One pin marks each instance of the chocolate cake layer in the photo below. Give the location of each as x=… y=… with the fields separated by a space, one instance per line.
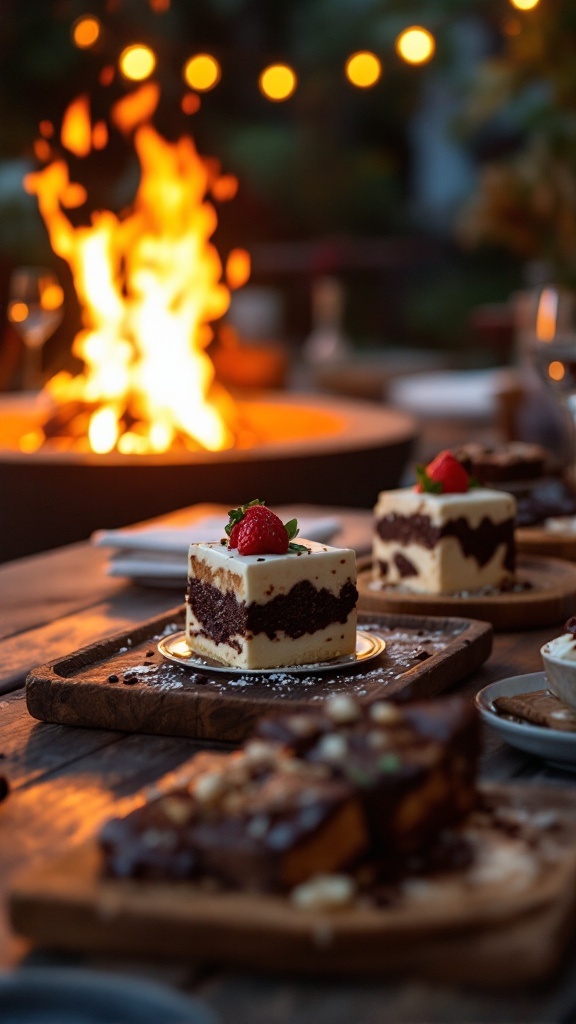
x=480 y=542
x=305 y=609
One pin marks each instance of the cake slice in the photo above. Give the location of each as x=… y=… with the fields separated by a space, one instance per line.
x=258 y=821
x=435 y=540
x=313 y=793
x=413 y=765
x=268 y=610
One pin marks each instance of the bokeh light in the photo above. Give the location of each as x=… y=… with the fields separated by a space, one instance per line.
x=86 y=31
x=277 y=82
x=524 y=5
x=202 y=72
x=238 y=267
x=415 y=45
x=137 y=62
x=363 y=69
x=556 y=370
x=190 y=103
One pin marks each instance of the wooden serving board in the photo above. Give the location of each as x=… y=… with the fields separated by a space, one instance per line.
x=492 y=932
x=124 y=683
x=550 y=599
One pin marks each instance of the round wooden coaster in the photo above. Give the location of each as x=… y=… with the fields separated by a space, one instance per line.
x=535 y=540
x=550 y=597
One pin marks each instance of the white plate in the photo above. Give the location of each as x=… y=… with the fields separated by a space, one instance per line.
x=550 y=744
x=175 y=648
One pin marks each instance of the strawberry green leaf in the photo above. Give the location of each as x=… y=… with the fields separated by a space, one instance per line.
x=297 y=547
x=426 y=482
x=237 y=514
x=291 y=528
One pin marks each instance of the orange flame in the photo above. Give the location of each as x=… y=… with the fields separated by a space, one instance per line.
x=149 y=284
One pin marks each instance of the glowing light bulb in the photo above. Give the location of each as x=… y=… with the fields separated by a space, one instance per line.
x=202 y=72
x=415 y=45
x=556 y=370
x=363 y=69
x=524 y=5
x=277 y=82
x=86 y=31
x=137 y=62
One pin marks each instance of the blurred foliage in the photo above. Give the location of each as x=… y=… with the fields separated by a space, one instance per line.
x=520 y=116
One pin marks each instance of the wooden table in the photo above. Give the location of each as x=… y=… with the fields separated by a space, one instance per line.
x=65 y=782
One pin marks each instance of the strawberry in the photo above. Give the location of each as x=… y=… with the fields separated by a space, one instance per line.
x=261 y=532
x=444 y=475
x=255 y=530
x=236 y=516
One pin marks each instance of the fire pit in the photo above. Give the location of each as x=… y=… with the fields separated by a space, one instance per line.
x=145 y=426
x=314 y=449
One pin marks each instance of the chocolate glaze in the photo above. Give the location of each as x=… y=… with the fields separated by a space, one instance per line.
x=305 y=609
x=322 y=796
x=480 y=542
x=428 y=741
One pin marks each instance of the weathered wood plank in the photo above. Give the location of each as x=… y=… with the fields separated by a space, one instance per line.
x=130 y=605
x=63 y=807
x=37 y=590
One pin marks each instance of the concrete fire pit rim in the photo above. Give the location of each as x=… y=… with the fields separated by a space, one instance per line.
x=365 y=426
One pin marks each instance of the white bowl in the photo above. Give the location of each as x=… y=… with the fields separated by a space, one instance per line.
x=561 y=676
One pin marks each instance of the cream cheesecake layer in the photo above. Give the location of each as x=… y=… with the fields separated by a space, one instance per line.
x=444 y=543
x=264 y=611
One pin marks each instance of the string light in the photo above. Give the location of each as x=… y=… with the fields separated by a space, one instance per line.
x=86 y=31
x=363 y=69
x=202 y=72
x=137 y=62
x=415 y=45
x=277 y=82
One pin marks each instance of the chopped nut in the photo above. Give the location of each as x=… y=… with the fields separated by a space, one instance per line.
x=260 y=752
x=324 y=892
x=208 y=789
x=179 y=811
x=333 y=747
x=378 y=740
x=302 y=725
x=258 y=826
x=383 y=712
x=343 y=709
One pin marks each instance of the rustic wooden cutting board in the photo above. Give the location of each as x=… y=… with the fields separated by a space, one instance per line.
x=124 y=683
x=550 y=597
x=500 y=931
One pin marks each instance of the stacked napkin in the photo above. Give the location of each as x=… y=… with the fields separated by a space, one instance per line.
x=159 y=554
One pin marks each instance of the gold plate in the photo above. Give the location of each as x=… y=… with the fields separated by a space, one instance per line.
x=175 y=648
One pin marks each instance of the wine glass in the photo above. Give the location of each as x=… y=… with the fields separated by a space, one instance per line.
x=35 y=309
x=551 y=346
